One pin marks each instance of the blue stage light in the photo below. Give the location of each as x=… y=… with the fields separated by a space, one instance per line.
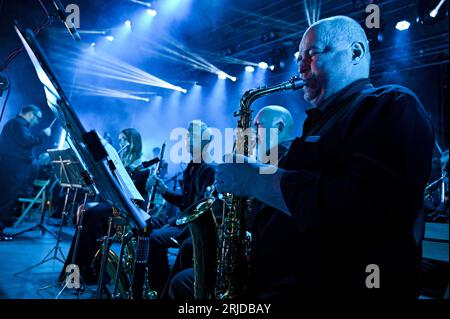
x=110 y=38
x=222 y=76
x=263 y=65
x=151 y=12
x=402 y=25
x=249 y=69
x=128 y=24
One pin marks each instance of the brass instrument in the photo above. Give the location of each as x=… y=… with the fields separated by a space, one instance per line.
x=223 y=247
x=120 y=268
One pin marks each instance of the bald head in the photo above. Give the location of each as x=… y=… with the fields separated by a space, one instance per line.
x=343 y=31
x=333 y=53
x=273 y=117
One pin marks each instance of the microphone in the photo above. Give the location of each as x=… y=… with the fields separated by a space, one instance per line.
x=146 y=164
x=63 y=16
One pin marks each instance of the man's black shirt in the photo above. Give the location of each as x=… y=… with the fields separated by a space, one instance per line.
x=17 y=140
x=354 y=187
x=196 y=178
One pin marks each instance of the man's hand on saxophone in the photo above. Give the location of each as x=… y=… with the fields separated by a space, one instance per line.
x=239 y=176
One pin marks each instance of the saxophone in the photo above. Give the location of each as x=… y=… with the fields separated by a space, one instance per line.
x=223 y=247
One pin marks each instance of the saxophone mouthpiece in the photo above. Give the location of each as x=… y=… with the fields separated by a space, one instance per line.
x=297 y=83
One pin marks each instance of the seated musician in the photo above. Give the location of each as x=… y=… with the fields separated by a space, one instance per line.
x=197 y=176
x=352 y=184
x=95 y=217
x=272 y=117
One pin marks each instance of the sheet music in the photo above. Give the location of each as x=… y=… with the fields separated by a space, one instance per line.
x=121 y=173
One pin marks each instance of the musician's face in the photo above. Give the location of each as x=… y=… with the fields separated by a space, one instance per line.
x=122 y=140
x=193 y=140
x=322 y=63
x=34 y=118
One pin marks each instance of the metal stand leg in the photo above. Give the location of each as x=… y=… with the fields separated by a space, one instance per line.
x=124 y=242
x=40 y=226
x=105 y=252
x=55 y=250
x=78 y=291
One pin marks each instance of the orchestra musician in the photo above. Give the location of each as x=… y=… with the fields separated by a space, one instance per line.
x=352 y=184
x=17 y=143
x=272 y=117
x=196 y=177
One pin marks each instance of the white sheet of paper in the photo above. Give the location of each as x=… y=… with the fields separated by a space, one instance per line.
x=122 y=175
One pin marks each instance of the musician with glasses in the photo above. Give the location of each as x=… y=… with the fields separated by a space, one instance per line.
x=17 y=143
x=352 y=184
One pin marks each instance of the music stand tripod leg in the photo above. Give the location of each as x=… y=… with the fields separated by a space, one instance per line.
x=56 y=248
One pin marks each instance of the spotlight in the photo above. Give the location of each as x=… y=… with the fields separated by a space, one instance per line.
x=110 y=38
x=263 y=65
x=222 y=76
x=180 y=89
x=249 y=68
x=233 y=78
x=272 y=67
x=296 y=54
x=435 y=11
x=402 y=25
x=128 y=24
x=151 y=12
x=93 y=44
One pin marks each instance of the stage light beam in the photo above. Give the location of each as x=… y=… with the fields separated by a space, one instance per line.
x=435 y=11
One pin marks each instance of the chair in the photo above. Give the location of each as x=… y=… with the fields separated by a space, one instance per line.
x=39 y=199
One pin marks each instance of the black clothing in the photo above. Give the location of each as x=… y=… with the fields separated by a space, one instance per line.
x=17 y=141
x=181 y=287
x=354 y=187
x=16 y=157
x=196 y=178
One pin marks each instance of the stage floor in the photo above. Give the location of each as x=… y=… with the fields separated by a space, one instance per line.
x=27 y=250
x=32 y=247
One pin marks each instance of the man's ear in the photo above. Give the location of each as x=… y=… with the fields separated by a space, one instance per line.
x=358 y=52
x=280 y=126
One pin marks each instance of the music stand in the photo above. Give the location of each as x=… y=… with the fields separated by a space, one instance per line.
x=66 y=163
